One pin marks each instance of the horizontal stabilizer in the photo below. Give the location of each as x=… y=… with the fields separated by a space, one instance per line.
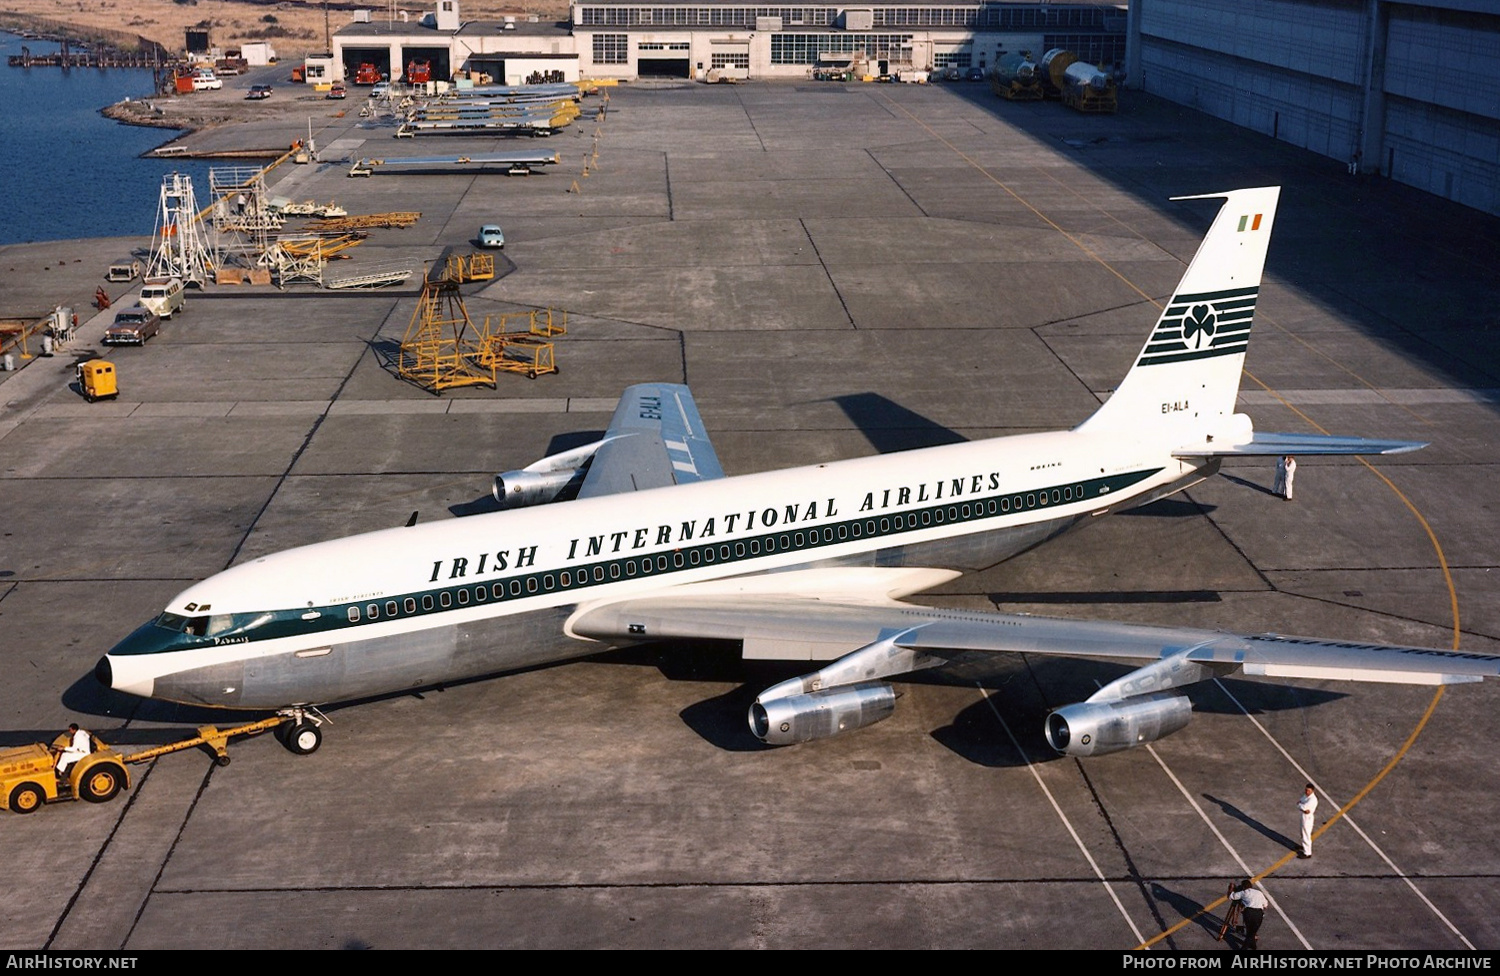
x=655 y=439
x=1272 y=445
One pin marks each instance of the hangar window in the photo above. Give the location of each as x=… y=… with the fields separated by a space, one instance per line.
x=611 y=48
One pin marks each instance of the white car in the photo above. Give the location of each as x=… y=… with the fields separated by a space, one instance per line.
x=490 y=235
x=206 y=81
x=381 y=89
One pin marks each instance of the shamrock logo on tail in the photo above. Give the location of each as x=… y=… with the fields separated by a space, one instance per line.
x=1198 y=327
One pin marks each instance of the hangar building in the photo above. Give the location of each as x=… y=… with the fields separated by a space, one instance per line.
x=1408 y=89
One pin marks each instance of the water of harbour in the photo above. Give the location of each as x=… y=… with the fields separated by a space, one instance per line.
x=65 y=170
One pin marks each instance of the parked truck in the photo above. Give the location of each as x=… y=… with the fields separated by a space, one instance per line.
x=1016 y=77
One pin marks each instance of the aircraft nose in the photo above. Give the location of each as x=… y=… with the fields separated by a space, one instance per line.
x=103 y=673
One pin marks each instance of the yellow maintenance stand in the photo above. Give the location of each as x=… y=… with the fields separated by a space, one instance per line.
x=28 y=774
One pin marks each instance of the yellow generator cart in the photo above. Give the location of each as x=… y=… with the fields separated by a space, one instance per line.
x=97 y=379
x=28 y=776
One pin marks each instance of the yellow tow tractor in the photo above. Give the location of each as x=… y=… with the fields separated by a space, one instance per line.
x=28 y=774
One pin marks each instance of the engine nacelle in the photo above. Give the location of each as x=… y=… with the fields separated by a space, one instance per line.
x=517 y=489
x=1097 y=728
x=820 y=714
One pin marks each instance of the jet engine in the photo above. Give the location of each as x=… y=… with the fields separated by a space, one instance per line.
x=1097 y=728
x=820 y=714
x=517 y=489
x=542 y=481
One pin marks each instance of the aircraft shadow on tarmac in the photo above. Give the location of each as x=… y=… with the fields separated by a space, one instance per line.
x=890 y=427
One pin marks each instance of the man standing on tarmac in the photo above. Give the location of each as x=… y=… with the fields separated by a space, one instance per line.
x=1308 y=806
x=1255 y=902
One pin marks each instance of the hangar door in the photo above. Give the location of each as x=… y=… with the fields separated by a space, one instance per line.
x=663 y=59
x=730 y=58
x=380 y=57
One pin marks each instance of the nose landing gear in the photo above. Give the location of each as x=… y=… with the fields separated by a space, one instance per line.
x=301 y=732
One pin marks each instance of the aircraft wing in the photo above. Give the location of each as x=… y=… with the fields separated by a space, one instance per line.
x=826 y=614
x=655 y=438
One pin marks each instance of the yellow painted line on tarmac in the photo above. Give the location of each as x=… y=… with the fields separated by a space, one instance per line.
x=1416 y=513
x=1338 y=815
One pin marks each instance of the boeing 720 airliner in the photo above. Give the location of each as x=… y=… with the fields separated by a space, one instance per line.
x=809 y=563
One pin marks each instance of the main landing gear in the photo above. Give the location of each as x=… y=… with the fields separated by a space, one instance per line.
x=301 y=732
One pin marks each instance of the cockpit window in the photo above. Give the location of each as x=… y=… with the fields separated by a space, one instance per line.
x=212 y=626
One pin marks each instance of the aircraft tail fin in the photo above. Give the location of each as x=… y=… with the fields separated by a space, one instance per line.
x=1187 y=375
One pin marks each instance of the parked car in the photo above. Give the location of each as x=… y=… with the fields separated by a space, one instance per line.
x=337 y=91
x=259 y=92
x=132 y=327
x=381 y=89
x=490 y=235
x=206 y=81
x=975 y=74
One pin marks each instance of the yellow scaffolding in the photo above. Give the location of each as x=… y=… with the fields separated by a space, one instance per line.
x=444 y=348
x=509 y=349
x=470 y=267
x=396 y=218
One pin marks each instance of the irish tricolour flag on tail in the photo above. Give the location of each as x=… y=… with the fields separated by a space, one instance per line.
x=1249 y=222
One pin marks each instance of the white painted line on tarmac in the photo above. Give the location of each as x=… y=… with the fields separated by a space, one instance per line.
x=1245 y=868
x=1063 y=817
x=1307 y=777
